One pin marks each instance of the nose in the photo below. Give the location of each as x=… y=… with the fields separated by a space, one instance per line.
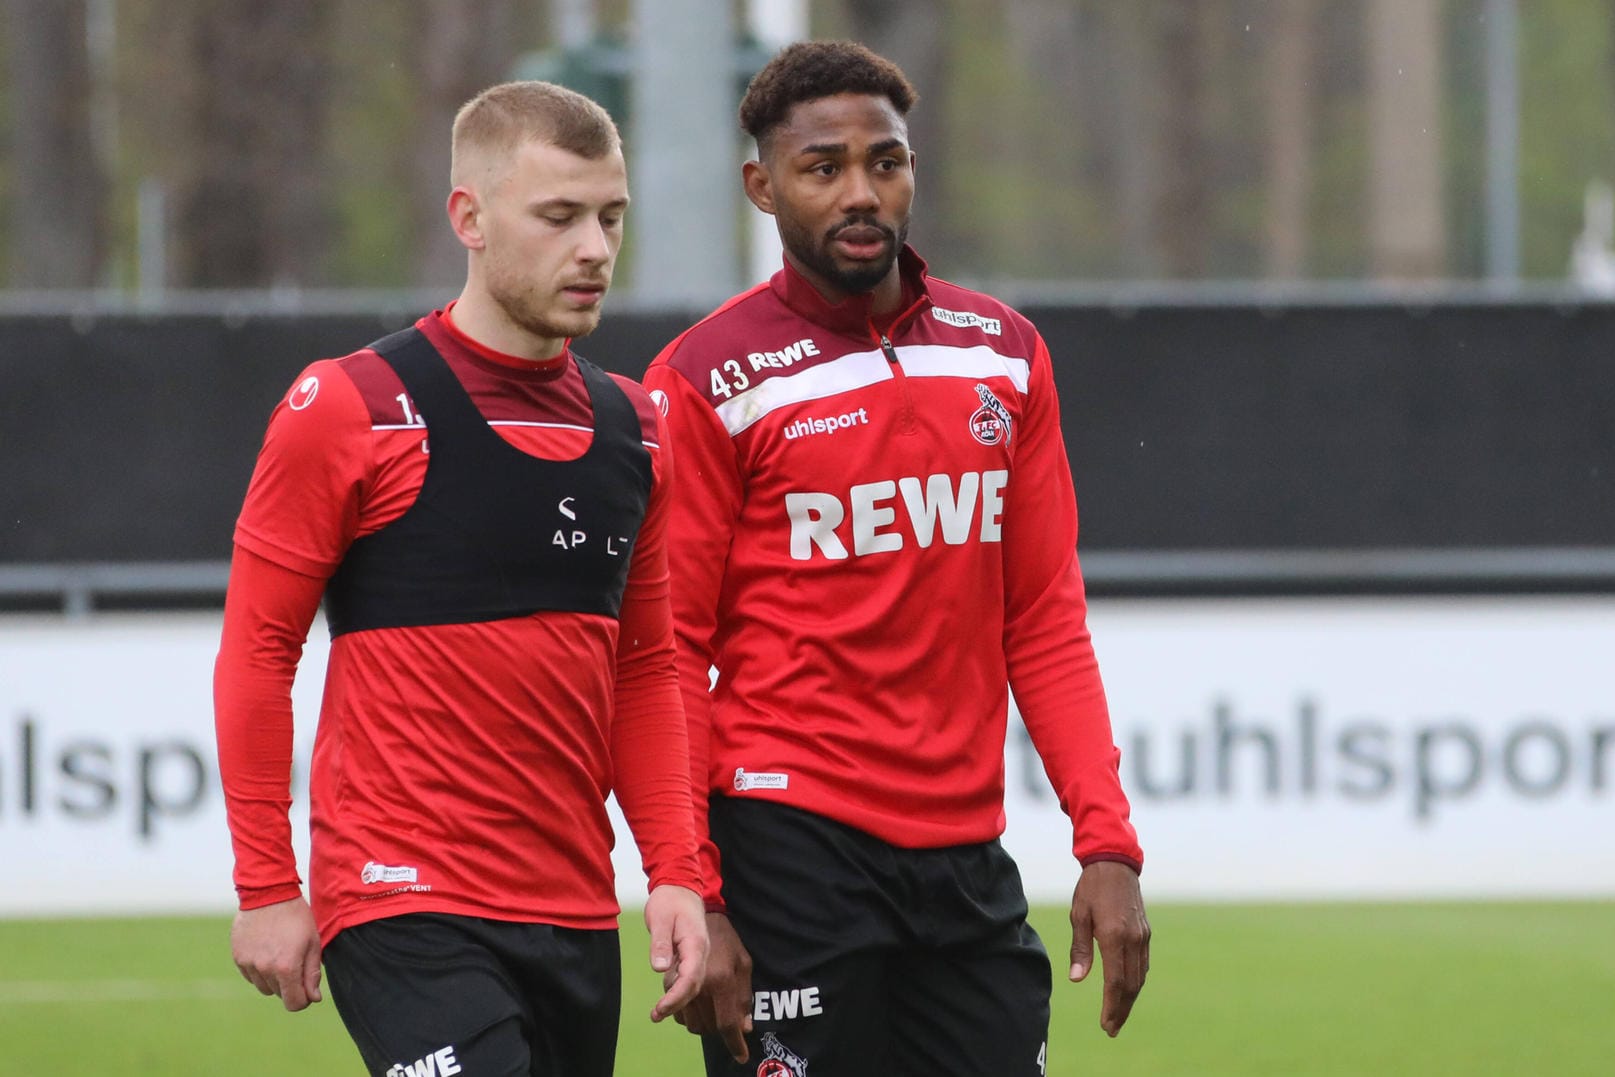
x=858 y=192
x=594 y=243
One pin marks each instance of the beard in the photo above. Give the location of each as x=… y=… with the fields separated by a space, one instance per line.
x=817 y=256
x=527 y=312
x=537 y=312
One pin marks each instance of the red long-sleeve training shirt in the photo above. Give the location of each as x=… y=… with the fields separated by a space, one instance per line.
x=457 y=768
x=873 y=538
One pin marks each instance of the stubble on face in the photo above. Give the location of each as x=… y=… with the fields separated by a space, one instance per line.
x=536 y=307
x=529 y=282
x=817 y=252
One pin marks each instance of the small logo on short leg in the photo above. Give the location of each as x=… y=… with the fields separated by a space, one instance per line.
x=779 y=1060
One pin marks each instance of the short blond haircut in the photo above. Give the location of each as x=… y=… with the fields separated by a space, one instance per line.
x=491 y=125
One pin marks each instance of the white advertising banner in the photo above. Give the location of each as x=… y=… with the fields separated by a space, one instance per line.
x=1351 y=748
x=1272 y=749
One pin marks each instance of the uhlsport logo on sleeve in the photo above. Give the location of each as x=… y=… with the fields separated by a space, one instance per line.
x=305 y=392
x=990 y=423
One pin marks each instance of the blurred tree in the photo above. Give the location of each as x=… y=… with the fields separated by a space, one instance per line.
x=1053 y=203
x=1567 y=123
x=1138 y=154
x=460 y=48
x=1183 y=206
x=306 y=141
x=253 y=208
x=1338 y=244
x=1290 y=122
x=1407 y=237
x=974 y=178
x=58 y=231
x=371 y=123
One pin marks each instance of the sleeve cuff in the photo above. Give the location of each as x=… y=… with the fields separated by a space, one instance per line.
x=674 y=878
x=251 y=897
x=1114 y=858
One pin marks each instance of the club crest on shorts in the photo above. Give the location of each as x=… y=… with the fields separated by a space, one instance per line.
x=990 y=423
x=779 y=1060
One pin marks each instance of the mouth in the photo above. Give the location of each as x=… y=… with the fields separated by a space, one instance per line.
x=862 y=243
x=585 y=293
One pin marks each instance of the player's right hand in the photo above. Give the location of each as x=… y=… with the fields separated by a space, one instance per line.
x=277 y=949
x=723 y=1007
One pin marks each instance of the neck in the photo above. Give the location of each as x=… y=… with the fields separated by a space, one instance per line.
x=884 y=298
x=485 y=321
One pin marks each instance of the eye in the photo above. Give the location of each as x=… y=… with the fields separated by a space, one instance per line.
x=823 y=168
x=888 y=164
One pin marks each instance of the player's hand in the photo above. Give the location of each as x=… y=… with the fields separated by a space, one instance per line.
x=723 y=1007
x=676 y=917
x=277 y=949
x=1108 y=908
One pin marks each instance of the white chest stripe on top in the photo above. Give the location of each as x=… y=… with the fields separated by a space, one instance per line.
x=854 y=371
x=859 y=370
x=978 y=361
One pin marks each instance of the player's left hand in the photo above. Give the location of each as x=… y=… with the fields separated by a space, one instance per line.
x=1107 y=907
x=677 y=919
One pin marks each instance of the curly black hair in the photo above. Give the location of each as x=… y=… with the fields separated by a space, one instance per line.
x=809 y=70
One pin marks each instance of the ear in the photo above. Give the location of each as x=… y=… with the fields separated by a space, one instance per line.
x=465 y=217
x=758 y=185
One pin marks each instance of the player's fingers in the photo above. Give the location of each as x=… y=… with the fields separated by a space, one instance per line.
x=697 y=1016
x=1081 y=944
x=734 y=1005
x=693 y=956
x=690 y=974
x=734 y=1038
x=661 y=947
x=1127 y=962
x=311 y=972
x=734 y=1017
x=257 y=979
x=1118 y=1004
x=678 y=996
x=289 y=986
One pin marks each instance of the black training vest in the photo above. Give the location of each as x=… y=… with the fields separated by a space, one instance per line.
x=494 y=532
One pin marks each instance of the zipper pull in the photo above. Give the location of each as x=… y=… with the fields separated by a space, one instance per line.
x=886 y=346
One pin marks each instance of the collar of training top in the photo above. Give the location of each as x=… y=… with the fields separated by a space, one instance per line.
x=851 y=314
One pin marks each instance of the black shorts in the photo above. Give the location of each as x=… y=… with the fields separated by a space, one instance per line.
x=490 y=997
x=869 y=959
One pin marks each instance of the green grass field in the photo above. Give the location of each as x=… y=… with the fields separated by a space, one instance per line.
x=1285 y=990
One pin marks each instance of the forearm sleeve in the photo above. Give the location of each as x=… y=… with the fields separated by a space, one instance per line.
x=267 y=613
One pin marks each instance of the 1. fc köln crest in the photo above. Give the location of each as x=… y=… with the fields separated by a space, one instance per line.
x=990 y=423
x=779 y=1060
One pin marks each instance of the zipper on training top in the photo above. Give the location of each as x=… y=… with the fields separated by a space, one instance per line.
x=905 y=415
x=905 y=419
